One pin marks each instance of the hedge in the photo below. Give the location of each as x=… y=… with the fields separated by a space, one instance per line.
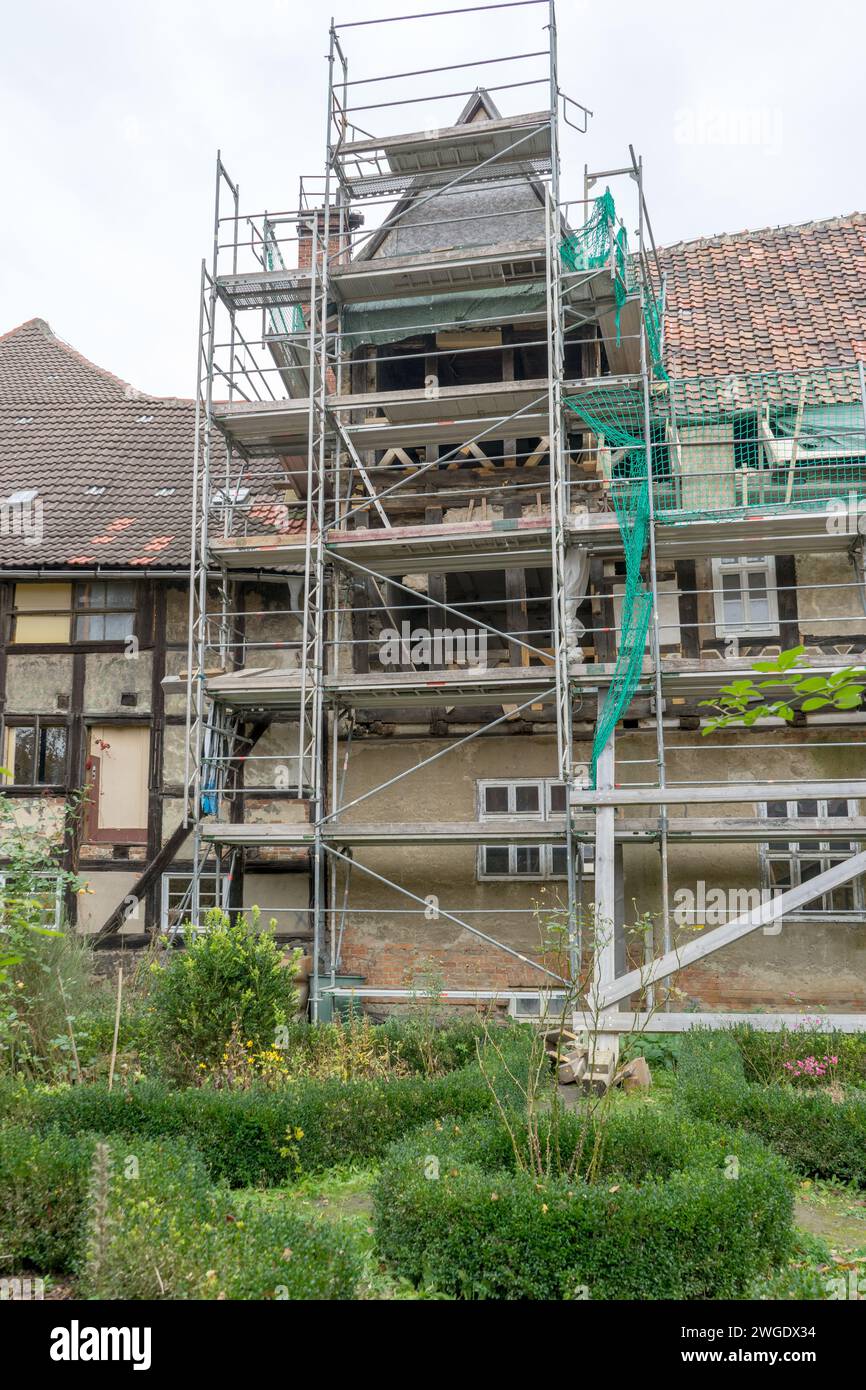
x=820 y=1137
x=241 y=1133
x=666 y=1219
x=43 y=1194
x=143 y=1221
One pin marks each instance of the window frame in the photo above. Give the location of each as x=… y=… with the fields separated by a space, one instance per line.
x=543 y=815
x=207 y=883
x=73 y=612
x=81 y=611
x=742 y=566
x=36 y=722
x=790 y=853
x=52 y=923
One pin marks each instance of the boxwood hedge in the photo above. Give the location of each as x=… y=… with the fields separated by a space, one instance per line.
x=819 y=1136
x=242 y=1134
x=142 y=1220
x=682 y=1209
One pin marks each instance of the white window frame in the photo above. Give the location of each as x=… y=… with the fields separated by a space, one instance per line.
x=544 y=814
x=743 y=566
x=791 y=853
x=52 y=920
x=207 y=885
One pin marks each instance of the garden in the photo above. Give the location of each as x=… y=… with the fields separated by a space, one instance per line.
x=185 y=1136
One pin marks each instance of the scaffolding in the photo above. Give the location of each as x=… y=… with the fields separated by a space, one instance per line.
x=325 y=465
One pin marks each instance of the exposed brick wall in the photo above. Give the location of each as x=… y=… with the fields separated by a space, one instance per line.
x=404 y=965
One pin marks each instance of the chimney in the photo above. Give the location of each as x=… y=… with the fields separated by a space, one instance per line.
x=341 y=223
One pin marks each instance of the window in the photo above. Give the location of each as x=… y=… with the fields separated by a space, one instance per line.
x=36 y=754
x=539 y=799
x=41 y=612
x=744 y=596
x=785 y=865
x=549 y=1004
x=177 y=898
x=104 y=611
x=47 y=891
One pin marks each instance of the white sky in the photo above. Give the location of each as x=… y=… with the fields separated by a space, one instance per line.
x=748 y=113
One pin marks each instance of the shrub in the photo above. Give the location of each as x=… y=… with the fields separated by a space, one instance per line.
x=765 y=1054
x=171 y=1235
x=242 y=1133
x=141 y=1220
x=43 y=1191
x=228 y=979
x=454 y=1210
x=819 y=1136
x=355 y=1048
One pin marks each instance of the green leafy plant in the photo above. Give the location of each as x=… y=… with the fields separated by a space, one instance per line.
x=820 y=1135
x=683 y=1209
x=741 y=702
x=228 y=979
x=45 y=969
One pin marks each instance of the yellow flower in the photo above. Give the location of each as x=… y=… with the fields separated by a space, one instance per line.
x=544 y=1206
x=299 y=1133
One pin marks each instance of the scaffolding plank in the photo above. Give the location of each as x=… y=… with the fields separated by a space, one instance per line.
x=443 y=272
x=431 y=158
x=281 y=688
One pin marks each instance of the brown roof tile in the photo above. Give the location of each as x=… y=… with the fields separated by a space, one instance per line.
x=780 y=299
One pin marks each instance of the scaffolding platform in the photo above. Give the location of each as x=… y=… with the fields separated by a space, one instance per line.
x=491 y=149
x=376 y=834
x=274 y=688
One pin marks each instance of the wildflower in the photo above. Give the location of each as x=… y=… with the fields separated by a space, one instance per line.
x=544 y=1207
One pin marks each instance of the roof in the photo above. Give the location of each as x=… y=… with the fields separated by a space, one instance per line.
x=780 y=299
x=512 y=210
x=92 y=471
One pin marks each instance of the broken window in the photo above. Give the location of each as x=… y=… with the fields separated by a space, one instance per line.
x=786 y=864
x=41 y=612
x=118 y=779
x=35 y=754
x=98 y=611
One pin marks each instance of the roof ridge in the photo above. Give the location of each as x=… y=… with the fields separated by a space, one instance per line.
x=126 y=391
x=747 y=234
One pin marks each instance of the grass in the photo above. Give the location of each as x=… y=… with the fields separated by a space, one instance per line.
x=343 y=1196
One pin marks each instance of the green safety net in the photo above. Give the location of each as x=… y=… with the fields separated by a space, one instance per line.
x=596 y=244
x=617 y=418
x=274 y=260
x=770 y=441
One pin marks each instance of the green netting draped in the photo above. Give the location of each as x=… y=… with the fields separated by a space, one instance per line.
x=274 y=260
x=617 y=417
x=591 y=247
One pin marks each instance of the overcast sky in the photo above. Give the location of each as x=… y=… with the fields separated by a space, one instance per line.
x=748 y=113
